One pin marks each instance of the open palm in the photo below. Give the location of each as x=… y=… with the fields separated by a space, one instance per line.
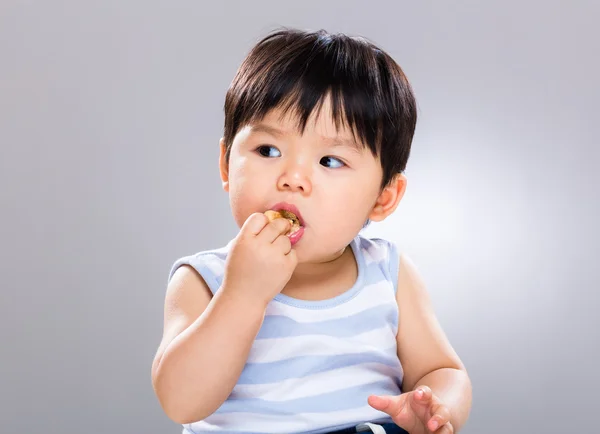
x=418 y=411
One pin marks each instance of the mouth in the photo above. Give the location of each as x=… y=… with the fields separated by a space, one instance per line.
x=285 y=208
x=291 y=213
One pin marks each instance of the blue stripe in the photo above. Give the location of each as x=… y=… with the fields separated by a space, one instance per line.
x=345 y=399
x=279 y=326
x=302 y=366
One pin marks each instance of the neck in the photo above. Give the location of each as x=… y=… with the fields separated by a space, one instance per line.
x=315 y=270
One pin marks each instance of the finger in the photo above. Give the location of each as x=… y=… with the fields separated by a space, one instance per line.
x=381 y=403
x=292 y=261
x=422 y=395
x=420 y=402
x=292 y=258
x=389 y=404
x=445 y=429
x=275 y=228
x=283 y=244
x=254 y=224
x=396 y=408
x=440 y=416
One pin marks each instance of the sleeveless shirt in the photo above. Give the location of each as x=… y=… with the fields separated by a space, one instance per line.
x=313 y=364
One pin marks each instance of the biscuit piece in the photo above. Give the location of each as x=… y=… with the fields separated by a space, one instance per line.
x=272 y=215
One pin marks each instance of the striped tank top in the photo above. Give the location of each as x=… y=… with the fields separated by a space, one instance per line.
x=314 y=363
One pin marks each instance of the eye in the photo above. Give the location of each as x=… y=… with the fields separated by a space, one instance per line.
x=268 y=151
x=331 y=162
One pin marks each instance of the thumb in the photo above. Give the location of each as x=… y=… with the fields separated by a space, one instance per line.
x=388 y=404
x=396 y=407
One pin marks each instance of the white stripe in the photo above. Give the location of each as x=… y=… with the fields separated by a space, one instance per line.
x=372 y=295
x=316 y=384
x=298 y=423
x=376 y=253
x=215 y=265
x=273 y=350
x=370 y=427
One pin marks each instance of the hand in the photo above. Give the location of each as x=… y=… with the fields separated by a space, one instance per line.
x=418 y=411
x=261 y=260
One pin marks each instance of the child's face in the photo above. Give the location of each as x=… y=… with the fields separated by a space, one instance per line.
x=333 y=184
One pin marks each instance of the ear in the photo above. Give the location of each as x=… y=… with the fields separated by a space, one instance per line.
x=389 y=198
x=224 y=166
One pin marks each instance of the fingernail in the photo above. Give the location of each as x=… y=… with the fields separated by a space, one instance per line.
x=434 y=425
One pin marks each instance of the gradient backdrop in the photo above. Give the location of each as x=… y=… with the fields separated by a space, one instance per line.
x=110 y=116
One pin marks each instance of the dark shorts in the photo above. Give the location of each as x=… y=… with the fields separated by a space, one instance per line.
x=390 y=428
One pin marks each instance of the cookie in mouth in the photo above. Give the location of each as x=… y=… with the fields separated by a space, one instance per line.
x=290 y=216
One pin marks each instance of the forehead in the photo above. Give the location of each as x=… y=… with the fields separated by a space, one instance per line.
x=321 y=123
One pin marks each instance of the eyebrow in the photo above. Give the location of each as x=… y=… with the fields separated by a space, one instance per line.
x=338 y=141
x=343 y=142
x=263 y=128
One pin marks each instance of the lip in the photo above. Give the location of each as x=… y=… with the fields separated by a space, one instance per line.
x=295 y=237
x=289 y=207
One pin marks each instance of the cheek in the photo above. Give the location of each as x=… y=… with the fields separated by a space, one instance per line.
x=245 y=192
x=348 y=205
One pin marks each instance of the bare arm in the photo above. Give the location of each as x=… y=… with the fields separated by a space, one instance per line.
x=424 y=351
x=204 y=347
x=207 y=339
x=453 y=387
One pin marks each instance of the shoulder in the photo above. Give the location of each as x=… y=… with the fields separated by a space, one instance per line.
x=403 y=271
x=192 y=282
x=209 y=264
x=382 y=252
x=409 y=285
x=187 y=296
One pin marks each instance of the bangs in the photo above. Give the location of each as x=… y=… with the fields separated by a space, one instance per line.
x=297 y=72
x=303 y=75
x=348 y=110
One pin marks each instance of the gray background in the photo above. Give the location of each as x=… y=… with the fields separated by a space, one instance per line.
x=110 y=116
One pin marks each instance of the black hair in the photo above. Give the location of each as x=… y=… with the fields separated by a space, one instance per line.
x=296 y=70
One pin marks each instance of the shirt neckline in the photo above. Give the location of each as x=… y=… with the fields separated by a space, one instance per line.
x=338 y=299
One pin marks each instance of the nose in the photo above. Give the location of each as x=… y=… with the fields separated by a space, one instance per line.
x=295 y=178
